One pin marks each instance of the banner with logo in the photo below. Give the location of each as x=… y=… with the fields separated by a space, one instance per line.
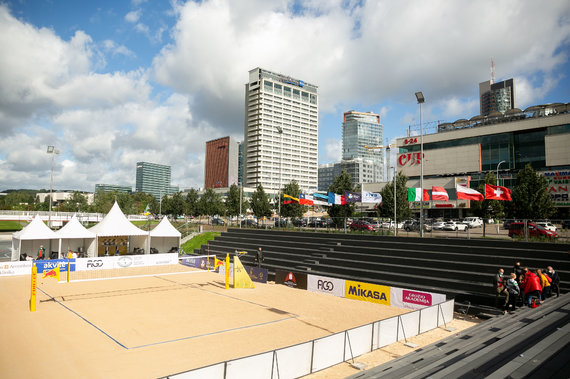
x=124 y=261
x=323 y=284
x=412 y=299
x=291 y=279
x=50 y=264
x=257 y=274
x=15 y=268
x=373 y=293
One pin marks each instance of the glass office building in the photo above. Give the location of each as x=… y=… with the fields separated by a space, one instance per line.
x=154 y=179
x=359 y=131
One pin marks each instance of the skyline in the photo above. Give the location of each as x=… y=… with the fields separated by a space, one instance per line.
x=113 y=83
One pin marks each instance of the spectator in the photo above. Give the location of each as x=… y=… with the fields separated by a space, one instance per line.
x=518 y=270
x=41 y=252
x=514 y=291
x=500 y=288
x=259 y=257
x=555 y=280
x=531 y=287
x=544 y=283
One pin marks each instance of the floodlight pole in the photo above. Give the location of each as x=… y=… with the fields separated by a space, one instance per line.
x=280 y=131
x=51 y=150
x=421 y=100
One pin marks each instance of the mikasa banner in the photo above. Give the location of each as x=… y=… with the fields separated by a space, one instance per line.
x=323 y=284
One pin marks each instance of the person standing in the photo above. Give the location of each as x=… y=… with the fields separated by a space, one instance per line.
x=500 y=288
x=518 y=270
x=531 y=287
x=259 y=257
x=555 y=283
x=42 y=252
x=514 y=291
x=544 y=283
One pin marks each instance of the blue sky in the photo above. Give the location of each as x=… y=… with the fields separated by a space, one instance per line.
x=110 y=83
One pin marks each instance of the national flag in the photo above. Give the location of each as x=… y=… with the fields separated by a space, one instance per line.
x=320 y=196
x=371 y=197
x=336 y=199
x=352 y=197
x=439 y=193
x=466 y=193
x=306 y=199
x=291 y=197
x=289 y=202
x=414 y=194
x=497 y=193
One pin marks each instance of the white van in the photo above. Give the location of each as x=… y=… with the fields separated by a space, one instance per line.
x=473 y=222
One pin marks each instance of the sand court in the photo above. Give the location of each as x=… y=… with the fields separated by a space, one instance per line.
x=161 y=324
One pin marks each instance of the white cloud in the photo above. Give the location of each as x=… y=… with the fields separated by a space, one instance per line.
x=111 y=47
x=333 y=150
x=133 y=16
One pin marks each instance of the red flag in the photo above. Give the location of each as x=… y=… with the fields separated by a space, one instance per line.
x=468 y=193
x=439 y=193
x=497 y=193
x=426 y=195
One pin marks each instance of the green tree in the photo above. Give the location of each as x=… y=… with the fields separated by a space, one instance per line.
x=77 y=203
x=191 y=206
x=103 y=201
x=339 y=213
x=174 y=205
x=233 y=200
x=260 y=203
x=140 y=201
x=211 y=203
x=488 y=208
x=403 y=211
x=293 y=209
x=530 y=199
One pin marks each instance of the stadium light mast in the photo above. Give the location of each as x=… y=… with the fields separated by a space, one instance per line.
x=53 y=151
x=498 y=170
x=421 y=100
x=280 y=131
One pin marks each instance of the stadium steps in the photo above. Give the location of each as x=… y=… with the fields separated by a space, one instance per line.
x=531 y=343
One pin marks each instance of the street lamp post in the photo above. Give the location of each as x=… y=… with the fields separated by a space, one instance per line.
x=498 y=170
x=395 y=221
x=280 y=131
x=53 y=151
x=421 y=100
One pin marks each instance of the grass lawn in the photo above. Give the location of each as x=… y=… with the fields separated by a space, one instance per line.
x=199 y=240
x=10 y=226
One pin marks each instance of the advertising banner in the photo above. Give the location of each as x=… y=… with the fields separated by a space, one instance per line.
x=15 y=268
x=291 y=279
x=323 y=284
x=373 y=293
x=257 y=274
x=53 y=263
x=124 y=261
x=412 y=299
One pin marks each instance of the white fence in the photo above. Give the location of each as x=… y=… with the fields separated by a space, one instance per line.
x=308 y=357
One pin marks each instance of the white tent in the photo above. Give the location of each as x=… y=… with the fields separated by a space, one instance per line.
x=31 y=238
x=165 y=236
x=75 y=237
x=113 y=228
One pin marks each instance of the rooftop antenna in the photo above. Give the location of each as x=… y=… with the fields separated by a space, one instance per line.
x=492 y=71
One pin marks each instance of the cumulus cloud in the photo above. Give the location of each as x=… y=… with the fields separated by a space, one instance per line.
x=133 y=16
x=333 y=150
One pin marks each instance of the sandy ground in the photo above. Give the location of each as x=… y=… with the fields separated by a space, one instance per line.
x=153 y=326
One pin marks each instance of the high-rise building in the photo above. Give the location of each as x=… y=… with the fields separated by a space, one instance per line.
x=360 y=171
x=154 y=179
x=358 y=131
x=281 y=130
x=113 y=187
x=222 y=163
x=496 y=97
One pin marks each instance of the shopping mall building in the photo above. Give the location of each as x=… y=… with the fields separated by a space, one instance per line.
x=466 y=150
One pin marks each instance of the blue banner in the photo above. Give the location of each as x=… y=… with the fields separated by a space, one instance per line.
x=50 y=264
x=257 y=274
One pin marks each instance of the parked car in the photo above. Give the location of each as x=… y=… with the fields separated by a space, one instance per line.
x=438 y=225
x=473 y=222
x=217 y=221
x=534 y=230
x=299 y=222
x=452 y=225
x=547 y=225
x=283 y=223
x=362 y=225
x=415 y=226
x=248 y=223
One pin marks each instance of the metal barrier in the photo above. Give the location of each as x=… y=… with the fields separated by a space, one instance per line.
x=319 y=354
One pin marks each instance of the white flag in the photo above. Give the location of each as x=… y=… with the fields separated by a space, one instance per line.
x=371 y=197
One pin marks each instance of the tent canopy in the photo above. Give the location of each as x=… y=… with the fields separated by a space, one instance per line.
x=165 y=229
x=35 y=230
x=74 y=229
x=115 y=223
